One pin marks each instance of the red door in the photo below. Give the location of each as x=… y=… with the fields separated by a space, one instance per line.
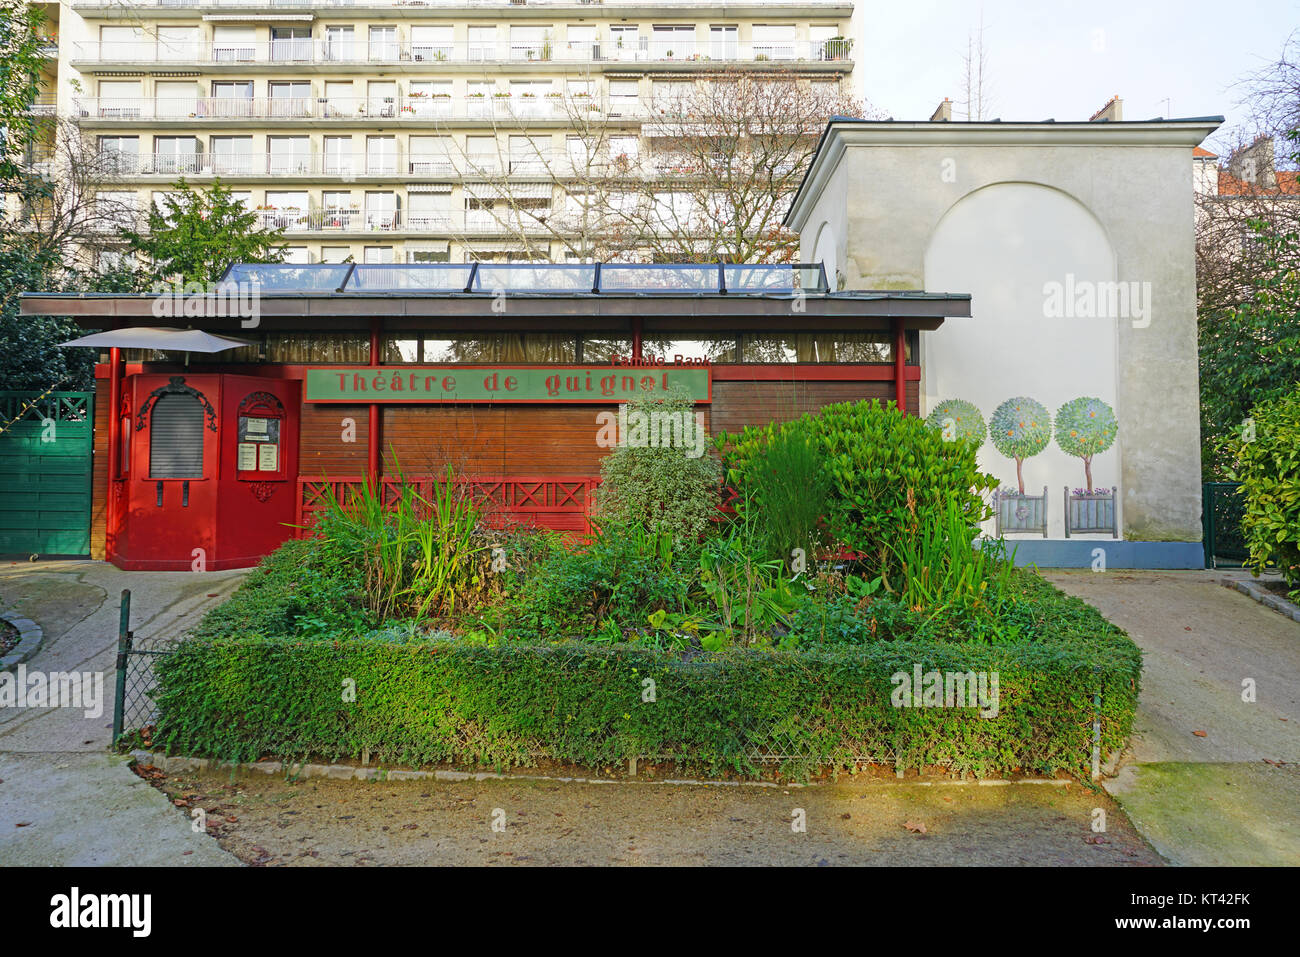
x=259 y=467
x=171 y=478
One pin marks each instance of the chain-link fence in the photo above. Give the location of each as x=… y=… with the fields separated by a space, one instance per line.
x=133 y=705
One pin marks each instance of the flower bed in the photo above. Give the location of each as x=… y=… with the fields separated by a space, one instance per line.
x=415 y=631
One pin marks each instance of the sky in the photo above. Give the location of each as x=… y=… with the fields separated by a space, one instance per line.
x=1065 y=58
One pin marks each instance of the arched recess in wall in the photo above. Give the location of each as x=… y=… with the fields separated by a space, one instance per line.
x=825 y=251
x=1005 y=244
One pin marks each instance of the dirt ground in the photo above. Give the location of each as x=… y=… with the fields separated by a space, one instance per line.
x=268 y=821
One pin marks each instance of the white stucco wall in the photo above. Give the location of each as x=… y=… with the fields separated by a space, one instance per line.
x=998 y=210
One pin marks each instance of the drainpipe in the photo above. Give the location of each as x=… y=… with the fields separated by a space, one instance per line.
x=637 y=326
x=900 y=365
x=372 y=433
x=114 y=451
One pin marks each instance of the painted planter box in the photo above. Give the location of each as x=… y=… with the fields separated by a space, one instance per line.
x=1020 y=513
x=1090 y=512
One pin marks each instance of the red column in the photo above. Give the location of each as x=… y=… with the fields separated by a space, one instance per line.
x=372 y=433
x=637 y=325
x=114 y=450
x=900 y=365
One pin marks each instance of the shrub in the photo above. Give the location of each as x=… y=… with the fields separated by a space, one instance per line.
x=885 y=468
x=784 y=495
x=623 y=574
x=957 y=419
x=1266 y=460
x=301 y=589
x=1085 y=427
x=1020 y=428
x=509 y=704
x=661 y=485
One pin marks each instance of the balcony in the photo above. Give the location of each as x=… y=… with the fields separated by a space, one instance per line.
x=238 y=164
x=393 y=52
x=412 y=109
x=388 y=221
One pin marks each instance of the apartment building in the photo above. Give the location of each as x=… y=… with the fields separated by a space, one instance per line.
x=367 y=130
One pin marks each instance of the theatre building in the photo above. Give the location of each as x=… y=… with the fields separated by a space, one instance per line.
x=1044 y=267
x=496 y=370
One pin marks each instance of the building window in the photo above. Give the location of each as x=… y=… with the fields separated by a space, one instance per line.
x=821 y=347
x=668 y=348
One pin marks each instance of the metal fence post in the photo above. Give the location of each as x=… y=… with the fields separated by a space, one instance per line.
x=123 y=651
x=1096 y=726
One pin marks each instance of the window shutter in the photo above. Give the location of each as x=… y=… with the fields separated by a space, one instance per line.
x=176 y=437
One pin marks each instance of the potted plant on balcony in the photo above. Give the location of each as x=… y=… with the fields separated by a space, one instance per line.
x=1085 y=427
x=1020 y=428
x=837 y=48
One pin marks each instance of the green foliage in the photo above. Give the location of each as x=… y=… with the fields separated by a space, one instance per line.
x=1020 y=428
x=303 y=589
x=1086 y=427
x=606 y=586
x=940 y=568
x=784 y=493
x=1251 y=353
x=201 y=231
x=957 y=419
x=507 y=704
x=1266 y=460
x=661 y=488
x=885 y=468
x=417 y=555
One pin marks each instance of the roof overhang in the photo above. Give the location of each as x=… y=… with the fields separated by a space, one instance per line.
x=336 y=312
x=843 y=132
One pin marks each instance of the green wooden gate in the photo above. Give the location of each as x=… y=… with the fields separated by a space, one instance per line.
x=45 y=472
x=1221 y=508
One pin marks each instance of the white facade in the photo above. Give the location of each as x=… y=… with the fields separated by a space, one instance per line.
x=1076 y=244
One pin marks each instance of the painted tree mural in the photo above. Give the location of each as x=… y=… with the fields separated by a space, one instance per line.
x=1085 y=427
x=957 y=419
x=1020 y=428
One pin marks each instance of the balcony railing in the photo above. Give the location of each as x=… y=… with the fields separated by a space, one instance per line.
x=325 y=51
x=384 y=220
x=301 y=4
x=258 y=164
x=414 y=109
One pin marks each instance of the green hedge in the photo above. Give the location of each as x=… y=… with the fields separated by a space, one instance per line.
x=504 y=705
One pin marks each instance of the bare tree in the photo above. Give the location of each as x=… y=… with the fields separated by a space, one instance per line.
x=707 y=172
x=976 y=93
x=1271 y=96
x=720 y=163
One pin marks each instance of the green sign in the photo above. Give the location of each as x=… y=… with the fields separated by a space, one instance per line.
x=465 y=383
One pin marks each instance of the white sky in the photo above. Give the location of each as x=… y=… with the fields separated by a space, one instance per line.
x=1065 y=58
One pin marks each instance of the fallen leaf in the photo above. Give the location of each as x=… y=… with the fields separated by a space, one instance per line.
x=23 y=824
x=1199 y=734
x=1095 y=839
x=916 y=827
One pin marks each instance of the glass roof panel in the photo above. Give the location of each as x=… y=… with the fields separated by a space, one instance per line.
x=782 y=277
x=535 y=277
x=423 y=277
x=644 y=277
x=287 y=277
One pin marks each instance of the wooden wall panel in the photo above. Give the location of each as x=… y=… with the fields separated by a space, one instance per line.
x=737 y=404
x=321 y=449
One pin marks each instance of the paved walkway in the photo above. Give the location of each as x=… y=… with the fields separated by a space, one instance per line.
x=63 y=798
x=1211 y=779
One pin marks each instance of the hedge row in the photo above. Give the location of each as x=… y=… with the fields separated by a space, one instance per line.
x=509 y=704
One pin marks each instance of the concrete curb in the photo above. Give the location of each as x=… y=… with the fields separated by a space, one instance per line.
x=346 y=772
x=1264 y=597
x=30 y=637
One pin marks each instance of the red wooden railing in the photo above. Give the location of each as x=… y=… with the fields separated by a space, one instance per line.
x=560 y=502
